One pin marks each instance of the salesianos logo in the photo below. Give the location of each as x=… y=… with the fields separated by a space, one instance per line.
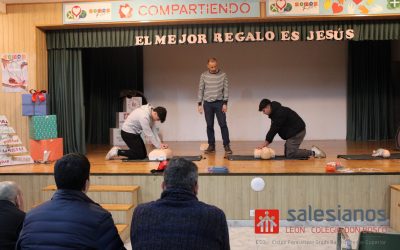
x=266 y=221
x=336 y=214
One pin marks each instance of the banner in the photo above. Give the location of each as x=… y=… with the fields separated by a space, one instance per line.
x=14 y=72
x=158 y=10
x=229 y=37
x=276 y=8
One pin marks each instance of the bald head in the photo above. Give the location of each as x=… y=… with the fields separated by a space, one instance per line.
x=10 y=191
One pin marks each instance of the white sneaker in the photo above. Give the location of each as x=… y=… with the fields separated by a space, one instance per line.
x=318 y=153
x=112 y=153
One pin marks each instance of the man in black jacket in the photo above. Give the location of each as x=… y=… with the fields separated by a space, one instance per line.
x=290 y=127
x=178 y=220
x=70 y=220
x=11 y=214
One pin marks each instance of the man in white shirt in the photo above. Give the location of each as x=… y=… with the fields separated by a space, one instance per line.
x=141 y=120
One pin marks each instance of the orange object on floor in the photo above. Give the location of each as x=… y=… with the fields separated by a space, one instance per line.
x=55 y=146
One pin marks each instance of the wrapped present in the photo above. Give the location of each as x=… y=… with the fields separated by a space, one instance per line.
x=34 y=103
x=130 y=104
x=121 y=117
x=8 y=160
x=7 y=150
x=47 y=150
x=6 y=139
x=115 y=137
x=3 y=121
x=43 y=127
x=6 y=130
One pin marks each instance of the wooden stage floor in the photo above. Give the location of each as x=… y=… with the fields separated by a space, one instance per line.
x=96 y=154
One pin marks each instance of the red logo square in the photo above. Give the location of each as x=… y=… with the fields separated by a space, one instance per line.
x=266 y=221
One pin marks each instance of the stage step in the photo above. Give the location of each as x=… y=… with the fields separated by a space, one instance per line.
x=101 y=188
x=108 y=207
x=117 y=207
x=121 y=227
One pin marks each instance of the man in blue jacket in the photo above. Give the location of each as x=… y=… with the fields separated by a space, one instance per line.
x=290 y=127
x=179 y=220
x=70 y=220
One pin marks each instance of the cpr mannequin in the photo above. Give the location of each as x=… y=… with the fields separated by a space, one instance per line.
x=381 y=152
x=160 y=154
x=203 y=146
x=265 y=153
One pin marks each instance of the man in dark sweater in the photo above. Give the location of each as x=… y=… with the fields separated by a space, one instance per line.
x=179 y=220
x=11 y=214
x=290 y=127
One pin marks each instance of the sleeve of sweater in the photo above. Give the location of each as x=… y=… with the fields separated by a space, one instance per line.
x=149 y=133
x=226 y=91
x=107 y=234
x=276 y=124
x=200 y=95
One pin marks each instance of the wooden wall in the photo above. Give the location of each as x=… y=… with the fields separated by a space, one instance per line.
x=19 y=34
x=234 y=195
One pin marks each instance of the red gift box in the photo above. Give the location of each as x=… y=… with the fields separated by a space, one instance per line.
x=54 y=146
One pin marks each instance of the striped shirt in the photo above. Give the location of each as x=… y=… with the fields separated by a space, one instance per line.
x=213 y=87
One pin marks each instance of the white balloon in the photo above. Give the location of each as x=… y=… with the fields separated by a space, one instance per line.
x=257 y=184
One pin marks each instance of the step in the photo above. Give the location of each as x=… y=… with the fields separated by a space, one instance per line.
x=108 y=207
x=117 y=207
x=101 y=188
x=121 y=227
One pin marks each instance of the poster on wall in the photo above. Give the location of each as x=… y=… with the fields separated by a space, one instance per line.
x=278 y=8
x=14 y=72
x=158 y=10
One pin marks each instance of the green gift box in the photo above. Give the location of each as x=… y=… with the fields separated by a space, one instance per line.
x=43 y=127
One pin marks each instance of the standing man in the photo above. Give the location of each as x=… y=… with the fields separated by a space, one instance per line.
x=290 y=127
x=213 y=94
x=12 y=214
x=141 y=120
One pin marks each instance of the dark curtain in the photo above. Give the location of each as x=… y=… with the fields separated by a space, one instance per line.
x=106 y=72
x=66 y=97
x=396 y=92
x=370 y=91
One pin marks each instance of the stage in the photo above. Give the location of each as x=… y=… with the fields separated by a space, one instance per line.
x=99 y=165
x=289 y=183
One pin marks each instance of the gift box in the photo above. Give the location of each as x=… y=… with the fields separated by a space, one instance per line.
x=7 y=160
x=115 y=137
x=130 y=104
x=43 y=127
x=53 y=147
x=8 y=150
x=121 y=117
x=8 y=140
x=34 y=104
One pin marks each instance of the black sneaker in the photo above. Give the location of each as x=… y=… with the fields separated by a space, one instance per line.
x=228 y=150
x=210 y=149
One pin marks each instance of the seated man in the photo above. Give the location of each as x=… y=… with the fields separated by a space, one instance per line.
x=141 y=120
x=290 y=127
x=178 y=220
x=11 y=214
x=70 y=220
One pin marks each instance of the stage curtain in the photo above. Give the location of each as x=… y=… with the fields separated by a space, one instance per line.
x=107 y=71
x=370 y=91
x=66 y=97
x=125 y=36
